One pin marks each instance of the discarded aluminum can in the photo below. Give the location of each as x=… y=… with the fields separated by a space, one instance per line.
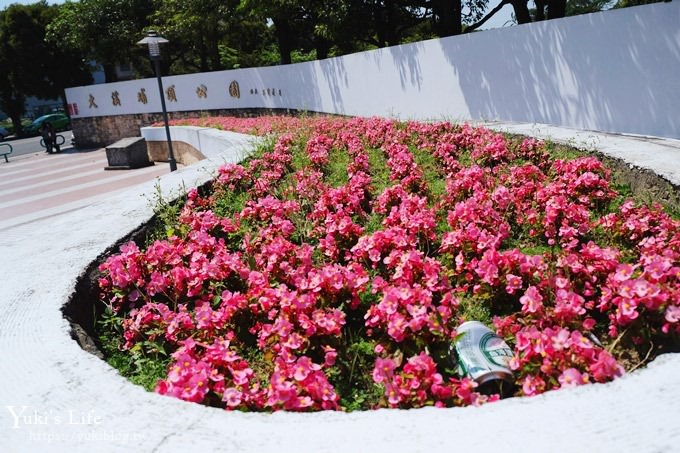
x=482 y=355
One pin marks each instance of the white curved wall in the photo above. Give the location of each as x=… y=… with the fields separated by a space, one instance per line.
x=616 y=71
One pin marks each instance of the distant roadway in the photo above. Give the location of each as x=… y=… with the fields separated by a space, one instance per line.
x=30 y=145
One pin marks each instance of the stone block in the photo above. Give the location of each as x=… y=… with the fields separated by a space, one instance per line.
x=127 y=153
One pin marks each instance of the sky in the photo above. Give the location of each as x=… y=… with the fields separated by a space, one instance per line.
x=497 y=21
x=502 y=18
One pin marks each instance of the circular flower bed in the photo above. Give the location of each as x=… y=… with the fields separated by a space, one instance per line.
x=331 y=269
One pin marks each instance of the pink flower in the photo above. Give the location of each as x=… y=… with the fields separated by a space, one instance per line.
x=232 y=397
x=605 y=367
x=383 y=370
x=572 y=377
x=532 y=301
x=330 y=355
x=513 y=283
x=672 y=314
x=532 y=385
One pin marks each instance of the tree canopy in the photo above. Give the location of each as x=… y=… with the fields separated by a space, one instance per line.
x=31 y=66
x=104 y=31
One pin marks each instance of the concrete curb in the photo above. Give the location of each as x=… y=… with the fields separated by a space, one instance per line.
x=56 y=397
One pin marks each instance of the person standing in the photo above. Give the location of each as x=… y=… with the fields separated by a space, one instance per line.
x=49 y=136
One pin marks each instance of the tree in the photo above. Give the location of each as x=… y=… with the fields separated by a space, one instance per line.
x=343 y=25
x=282 y=14
x=576 y=7
x=550 y=9
x=106 y=31
x=248 y=42
x=627 y=3
x=197 y=27
x=31 y=66
x=209 y=35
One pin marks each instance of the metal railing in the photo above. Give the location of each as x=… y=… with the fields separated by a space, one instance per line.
x=4 y=153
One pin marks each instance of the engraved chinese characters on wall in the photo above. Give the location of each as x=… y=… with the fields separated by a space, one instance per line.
x=267 y=91
x=141 y=96
x=115 y=98
x=202 y=91
x=234 y=90
x=170 y=93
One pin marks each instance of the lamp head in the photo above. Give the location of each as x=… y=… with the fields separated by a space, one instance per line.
x=153 y=40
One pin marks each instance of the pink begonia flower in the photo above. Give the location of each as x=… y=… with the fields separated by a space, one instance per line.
x=589 y=323
x=672 y=314
x=626 y=311
x=605 y=367
x=383 y=370
x=561 y=282
x=303 y=367
x=293 y=341
x=532 y=301
x=562 y=340
x=241 y=377
x=581 y=341
x=232 y=397
x=532 y=385
x=572 y=377
x=514 y=283
x=623 y=272
x=658 y=267
x=466 y=389
x=330 y=355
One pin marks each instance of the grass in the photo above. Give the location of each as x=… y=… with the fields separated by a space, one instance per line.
x=433 y=176
x=145 y=364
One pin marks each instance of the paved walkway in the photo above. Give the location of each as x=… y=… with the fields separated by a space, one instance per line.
x=56 y=397
x=40 y=185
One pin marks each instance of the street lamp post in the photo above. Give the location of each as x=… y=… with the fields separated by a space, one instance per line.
x=154 y=40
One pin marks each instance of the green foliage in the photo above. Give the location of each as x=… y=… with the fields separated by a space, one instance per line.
x=352 y=376
x=576 y=7
x=212 y=35
x=380 y=173
x=166 y=210
x=428 y=164
x=337 y=165
x=627 y=3
x=144 y=364
x=106 y=31
x=31 y=66
x=475 y=309
x=300 y=56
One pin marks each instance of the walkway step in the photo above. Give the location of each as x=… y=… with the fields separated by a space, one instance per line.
x=47 y=185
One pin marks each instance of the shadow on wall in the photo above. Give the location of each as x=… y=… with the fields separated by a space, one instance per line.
x=575 y=72
x=306 y=78
x=336 y=78
x=407 y=60
x=325 y=84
